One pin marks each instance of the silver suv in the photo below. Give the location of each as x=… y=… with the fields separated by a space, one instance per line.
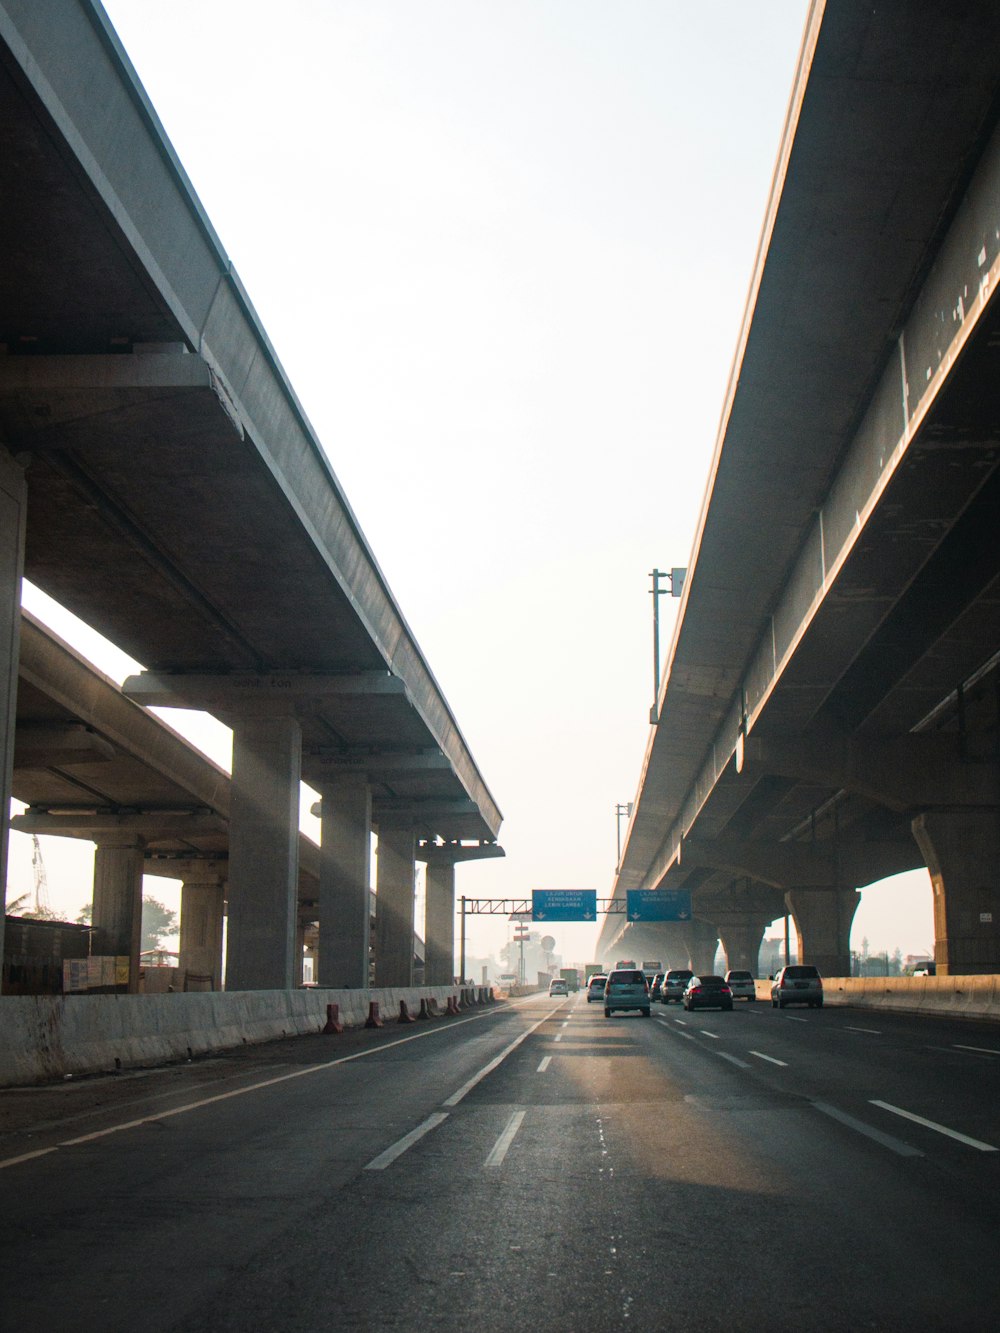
x=674 y=983
x=741 y=984
x=798 y=984
x=627 y=988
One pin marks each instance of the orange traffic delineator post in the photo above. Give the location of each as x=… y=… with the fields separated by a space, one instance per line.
x=425 y=1011
x=404 y=1013
x=452 y=1005
x=373 y=1020
x=333 y=1023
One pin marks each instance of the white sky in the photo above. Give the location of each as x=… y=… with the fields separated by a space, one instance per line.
x=502 y=249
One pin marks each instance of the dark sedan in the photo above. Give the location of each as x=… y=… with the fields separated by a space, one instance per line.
x=707 y=993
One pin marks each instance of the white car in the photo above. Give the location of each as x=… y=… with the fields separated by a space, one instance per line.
x=741 y=984
x=557 y=986
x=595 y=988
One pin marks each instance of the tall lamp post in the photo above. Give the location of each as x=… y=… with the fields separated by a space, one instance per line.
x=673 y=581
x=623 y=808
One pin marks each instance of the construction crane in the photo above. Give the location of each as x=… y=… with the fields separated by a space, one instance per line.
x=41 y=879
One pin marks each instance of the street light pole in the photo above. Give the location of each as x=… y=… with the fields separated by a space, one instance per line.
x=674 y=587
x=622 y=808
x=461 y=950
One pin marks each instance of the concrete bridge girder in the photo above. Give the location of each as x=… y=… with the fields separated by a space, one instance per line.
x=912 y=772
x=816 y=865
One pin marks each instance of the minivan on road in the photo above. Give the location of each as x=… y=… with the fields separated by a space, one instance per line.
x=626 y=988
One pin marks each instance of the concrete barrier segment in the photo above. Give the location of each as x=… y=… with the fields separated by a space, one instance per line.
x=452 y=1007
x=404 y=1014
x=425 y=1011
x=373 y=1020
x=333 y=1023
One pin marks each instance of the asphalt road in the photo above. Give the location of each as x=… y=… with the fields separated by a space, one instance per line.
x=527 y=1166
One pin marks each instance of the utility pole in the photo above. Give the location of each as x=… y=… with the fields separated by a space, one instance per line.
x=623 y=808
x=461 y=950
x=674 y=586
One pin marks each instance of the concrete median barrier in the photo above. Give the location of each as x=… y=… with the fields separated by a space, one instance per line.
x=966 y=996
x=49 y=1037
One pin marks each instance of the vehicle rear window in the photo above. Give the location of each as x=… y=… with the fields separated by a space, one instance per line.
x=741 y=976
x=627 y=978
x=801 y=973
x=679 y=975
x=712 y=981
x=598 y=981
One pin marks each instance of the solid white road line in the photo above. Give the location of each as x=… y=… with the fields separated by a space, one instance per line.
x=242 y=1092
x=875 y=1032
x=386 y=1158
x=497 y=1060
x=981 y=1050
x=932 y=1124
x=792 y=1018
x=769 y=1058
x=499 y=1149
x=544 y=1064
x=713 y=1035
x=869 y=1131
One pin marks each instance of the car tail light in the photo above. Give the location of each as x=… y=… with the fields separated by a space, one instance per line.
x=697 y=990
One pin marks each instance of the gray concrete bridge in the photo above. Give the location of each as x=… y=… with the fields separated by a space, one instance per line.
x=829 y=710
x=159 y=478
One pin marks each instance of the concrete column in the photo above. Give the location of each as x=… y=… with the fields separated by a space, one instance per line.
x=203 y=897
x=117 y=913
x=439 y=924
x=263 y=853
x=13 y=506
x=299 y=956
x=962 y=852
x=703 y=942
x=345 y=876
x=741 y=934
x=394 y=907
x=823 y=920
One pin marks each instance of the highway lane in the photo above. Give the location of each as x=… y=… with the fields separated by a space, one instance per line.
x=537 y=1164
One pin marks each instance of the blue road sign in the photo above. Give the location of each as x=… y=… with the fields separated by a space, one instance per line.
x=658 y=904
x=564 y=905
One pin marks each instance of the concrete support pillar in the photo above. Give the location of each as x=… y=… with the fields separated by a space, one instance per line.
x=962 y=852
x=703 y=942
x=823 y=920
x=394 y=907
x=299 y=956
x=13 y=505
x=263 y=853
x=345 y=874
x=117 y=912
x=203 y=897
x=439 y=924
x=741 y=934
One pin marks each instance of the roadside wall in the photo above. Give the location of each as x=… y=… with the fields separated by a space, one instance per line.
x=971 y=997
x=45 y=1037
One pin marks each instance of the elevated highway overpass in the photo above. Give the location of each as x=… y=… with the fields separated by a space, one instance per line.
x=828 y=714
x=92 y=764
x=159 y=478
